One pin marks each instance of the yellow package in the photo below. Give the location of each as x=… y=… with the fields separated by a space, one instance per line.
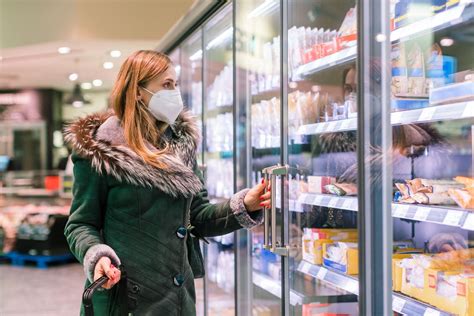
x=413 y=276
x=342 y=256
x=313 y=250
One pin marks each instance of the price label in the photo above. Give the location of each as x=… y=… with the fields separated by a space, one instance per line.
x=396 y=117
x=348 y=204
x=427 y=114
x=400 y=210
x=322 y=273
x=398 y=304
x=422 y=213
x=468 y=110
x=453 y=218
x=332 y=126
x=333 y=202
x=292 y=205
x=317 y=200
x=352 y=287
x=431 y=312
x=305 y=267
x=320 y=127
x=345 y=124
x=469 y=222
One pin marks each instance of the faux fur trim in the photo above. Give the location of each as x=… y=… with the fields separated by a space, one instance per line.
x=93 y=255
x=240 y=212
x=100 y=138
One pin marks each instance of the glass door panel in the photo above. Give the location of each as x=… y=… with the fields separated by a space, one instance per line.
x=218 y=154
x=191 y=90
x=259 y=88
x=432 y=68
x=322 y=156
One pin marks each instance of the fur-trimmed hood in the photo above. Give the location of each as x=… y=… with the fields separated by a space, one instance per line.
x=100 y=138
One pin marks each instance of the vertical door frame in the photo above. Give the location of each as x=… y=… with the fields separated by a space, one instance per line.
x=374 y=179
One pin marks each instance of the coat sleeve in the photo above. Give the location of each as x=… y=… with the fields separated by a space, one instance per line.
x=222 y=218
x=83 y=229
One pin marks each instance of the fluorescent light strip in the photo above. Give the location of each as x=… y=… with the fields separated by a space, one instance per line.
x=196 y=56
x=220 y=38
x=265 y=8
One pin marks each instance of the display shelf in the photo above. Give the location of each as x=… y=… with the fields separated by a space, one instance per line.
x=342 y=57
x=439 y=21
x=445 y=112
x=450 y=216
x=401 y=303
x=299 y=286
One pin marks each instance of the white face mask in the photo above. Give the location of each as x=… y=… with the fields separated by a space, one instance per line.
x=165 y=105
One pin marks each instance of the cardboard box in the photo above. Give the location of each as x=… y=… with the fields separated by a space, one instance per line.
x=450 y=291
x=349 y=263
x=413 y=277
x=314 y=239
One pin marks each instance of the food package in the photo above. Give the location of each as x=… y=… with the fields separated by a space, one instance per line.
x=314 y=239
x=435 y=76
x=467 y=181
x=416 y=71
x=438 y=5
x=399 y=70
x=452 y=3
x=442 y=198
x=342 y=189
x=316 y=184
x=463 y=198
x=450 y=291
x=413 y=276
x=397 y=271
x=349 y=24
x=342 y=256
x=426 y=191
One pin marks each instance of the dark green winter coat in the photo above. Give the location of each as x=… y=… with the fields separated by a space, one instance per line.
x=143 y=217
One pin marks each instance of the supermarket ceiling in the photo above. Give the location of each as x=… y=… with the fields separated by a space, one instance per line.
x=32 y=31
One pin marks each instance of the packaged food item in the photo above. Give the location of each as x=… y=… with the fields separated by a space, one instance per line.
x=457 y=92
x=435 y=76
x=438 y=5
x=399 y=70
x=316 y=184
x=342 y=256
x=427 y=191
x=452 y=3
x=463 y=198
x=416 y=71
x=401 y=13
x=467 y=181
x=342 y=189
x=413 y=276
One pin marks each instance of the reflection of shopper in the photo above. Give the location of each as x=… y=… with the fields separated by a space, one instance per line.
x=138 y=195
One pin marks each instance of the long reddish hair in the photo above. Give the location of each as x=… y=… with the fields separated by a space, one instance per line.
x=139 y=125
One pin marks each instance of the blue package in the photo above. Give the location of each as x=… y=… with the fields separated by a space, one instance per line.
x=449 y=68
x=401 y=13
x=438 y=5
x=409 y=104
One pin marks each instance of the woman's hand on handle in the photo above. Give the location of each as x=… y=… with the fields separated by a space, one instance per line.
x=256 y=198
x=105 y=267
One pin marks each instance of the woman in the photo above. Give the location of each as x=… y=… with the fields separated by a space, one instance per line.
x=139 y=200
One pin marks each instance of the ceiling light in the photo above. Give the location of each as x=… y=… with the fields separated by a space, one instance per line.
x=115 y=53
x=108 y=65
x=265 y=8
x=446 y=42
x=77 y=98
x=97 y=82
x=64 y=50
x=73 y=77
x=86 y=85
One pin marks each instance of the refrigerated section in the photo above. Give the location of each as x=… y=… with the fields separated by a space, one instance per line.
x=360 y=115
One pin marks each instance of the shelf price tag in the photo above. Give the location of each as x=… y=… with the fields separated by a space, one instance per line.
x=333 y=202
x=317 y=200
x=321 y=273
x=345 y=124
x=427 y=114
x=468 y=110
x=305 y=267
x=348 y=204
x=469 y=222
x=421 y=213
x=453 y=218
x=398 y=304
x=431 y=312
x=400 y=210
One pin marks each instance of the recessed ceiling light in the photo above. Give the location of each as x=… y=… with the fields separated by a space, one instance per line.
x=86 y=85
x=115 y=53
x=446 y=42
x=73 y=76
x=97 y=82
x=108 y=65
x=64 y=50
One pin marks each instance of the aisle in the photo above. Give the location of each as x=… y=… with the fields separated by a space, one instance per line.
x=30 y=291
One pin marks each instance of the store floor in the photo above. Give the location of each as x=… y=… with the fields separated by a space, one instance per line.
x=52 y=292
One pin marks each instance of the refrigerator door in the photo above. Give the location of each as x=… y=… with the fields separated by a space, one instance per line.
x=258 y=126
x=218 y=155
x=190 y=84
x=321 y=187
x=432 y=113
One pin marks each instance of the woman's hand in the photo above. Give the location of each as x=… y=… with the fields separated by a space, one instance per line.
x=105 y=267
x=256 y=198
